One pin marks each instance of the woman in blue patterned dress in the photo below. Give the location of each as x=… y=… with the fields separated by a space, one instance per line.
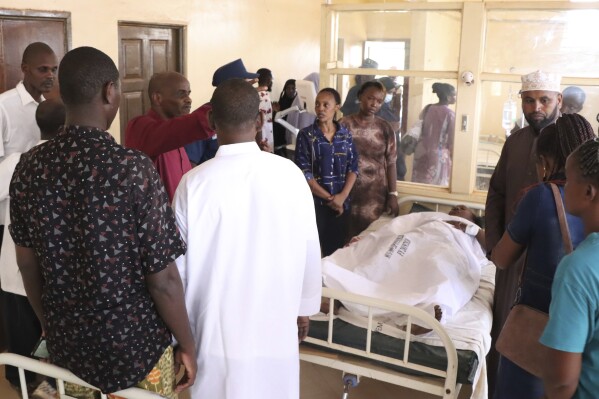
x=325 y=152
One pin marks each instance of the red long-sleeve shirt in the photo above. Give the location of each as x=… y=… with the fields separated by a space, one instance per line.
x=163 y=140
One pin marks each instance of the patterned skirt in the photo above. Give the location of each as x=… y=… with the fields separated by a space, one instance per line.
x=160 y=380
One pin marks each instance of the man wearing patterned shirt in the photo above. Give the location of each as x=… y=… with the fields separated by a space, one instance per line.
x=95 y=234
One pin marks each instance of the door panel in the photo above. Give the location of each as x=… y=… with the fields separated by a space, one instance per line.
x=144 y=50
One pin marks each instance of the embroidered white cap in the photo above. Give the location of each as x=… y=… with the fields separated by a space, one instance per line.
x=539 y=80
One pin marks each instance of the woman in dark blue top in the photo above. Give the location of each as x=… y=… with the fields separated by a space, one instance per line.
x=326 y=154
x=535 y=228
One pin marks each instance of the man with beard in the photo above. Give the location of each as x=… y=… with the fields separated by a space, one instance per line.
x=163 y=131
x=515 y=170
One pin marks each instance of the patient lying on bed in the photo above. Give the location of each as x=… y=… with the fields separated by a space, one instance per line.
x=429 y=260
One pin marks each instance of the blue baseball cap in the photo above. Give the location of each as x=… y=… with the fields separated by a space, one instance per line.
x=232 y=70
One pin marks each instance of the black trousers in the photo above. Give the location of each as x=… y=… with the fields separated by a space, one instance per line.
x=23 y=330
x=332 y=229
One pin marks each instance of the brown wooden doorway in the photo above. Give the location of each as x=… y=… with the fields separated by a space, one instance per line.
x=20 y=28
x=143 y=51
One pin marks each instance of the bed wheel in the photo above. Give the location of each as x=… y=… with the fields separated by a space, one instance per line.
x=349 y=381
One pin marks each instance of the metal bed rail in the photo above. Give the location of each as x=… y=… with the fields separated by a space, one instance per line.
x=448 y=389
x=437 y=202
x=61 y=376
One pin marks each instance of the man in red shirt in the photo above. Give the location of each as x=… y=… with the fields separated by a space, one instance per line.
x=163 y=131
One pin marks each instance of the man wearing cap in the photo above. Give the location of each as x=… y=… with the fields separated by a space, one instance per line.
x=203 y=150
x=249 y=303
x=163 y=131
x=352 y=104
x=515 y=170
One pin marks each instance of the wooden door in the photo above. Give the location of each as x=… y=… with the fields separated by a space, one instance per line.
x=20 y=28
x=143 y=51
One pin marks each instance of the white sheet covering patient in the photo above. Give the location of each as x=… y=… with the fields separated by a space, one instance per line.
x=417 y=259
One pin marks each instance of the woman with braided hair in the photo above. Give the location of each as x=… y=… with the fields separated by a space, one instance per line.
x=572 y=331
x=535 y=229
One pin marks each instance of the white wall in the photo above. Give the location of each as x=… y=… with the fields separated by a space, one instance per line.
x=282 y=35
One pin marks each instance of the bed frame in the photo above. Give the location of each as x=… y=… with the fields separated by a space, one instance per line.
x=61 y=376
x=359 y=362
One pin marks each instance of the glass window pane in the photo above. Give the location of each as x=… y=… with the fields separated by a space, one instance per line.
x=403 y=109
x=431 y=38
x=520 y=41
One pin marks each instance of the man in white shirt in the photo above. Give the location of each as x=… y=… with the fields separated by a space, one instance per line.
x=18 y=130
x=22 y=325
x=252 y=266
x=18 y=105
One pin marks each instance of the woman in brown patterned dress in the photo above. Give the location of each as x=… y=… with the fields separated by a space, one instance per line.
x=375 y=190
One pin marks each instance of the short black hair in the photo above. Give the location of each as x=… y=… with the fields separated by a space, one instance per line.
x=332 y=92
x=443 y=90
x=369 y=84
x=34 y=49
x=235 y=103
x=161 y=80
x=575 y=93
x=263 y=75
x=83 y=72
x=50 y=116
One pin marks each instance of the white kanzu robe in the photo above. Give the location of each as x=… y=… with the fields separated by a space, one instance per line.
x=252 y=267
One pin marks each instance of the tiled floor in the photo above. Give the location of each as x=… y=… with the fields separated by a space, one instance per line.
x=6 y=392
x=317 y=382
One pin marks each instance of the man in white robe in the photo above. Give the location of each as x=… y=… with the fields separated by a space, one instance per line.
x=252 y=266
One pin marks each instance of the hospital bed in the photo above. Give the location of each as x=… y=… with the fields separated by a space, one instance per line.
x=438 y=362
x=61 y=376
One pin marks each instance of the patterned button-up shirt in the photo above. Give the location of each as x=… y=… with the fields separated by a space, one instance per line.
x=97 y=217
x=328 y=162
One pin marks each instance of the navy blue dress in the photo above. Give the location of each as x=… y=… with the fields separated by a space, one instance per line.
x=535 y=226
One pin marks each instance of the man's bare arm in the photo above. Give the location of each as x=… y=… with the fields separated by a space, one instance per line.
x=32 y=280
x=561 y=380
x=166 y=290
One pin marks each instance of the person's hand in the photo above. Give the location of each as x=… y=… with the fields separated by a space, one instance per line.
x=337 y=204
x=392 y=205
x=408 y=144
x=353 y=240
x=188 y=360
x=276 y=107
x=457 y=225
x=303 y=325
x=264 y=145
